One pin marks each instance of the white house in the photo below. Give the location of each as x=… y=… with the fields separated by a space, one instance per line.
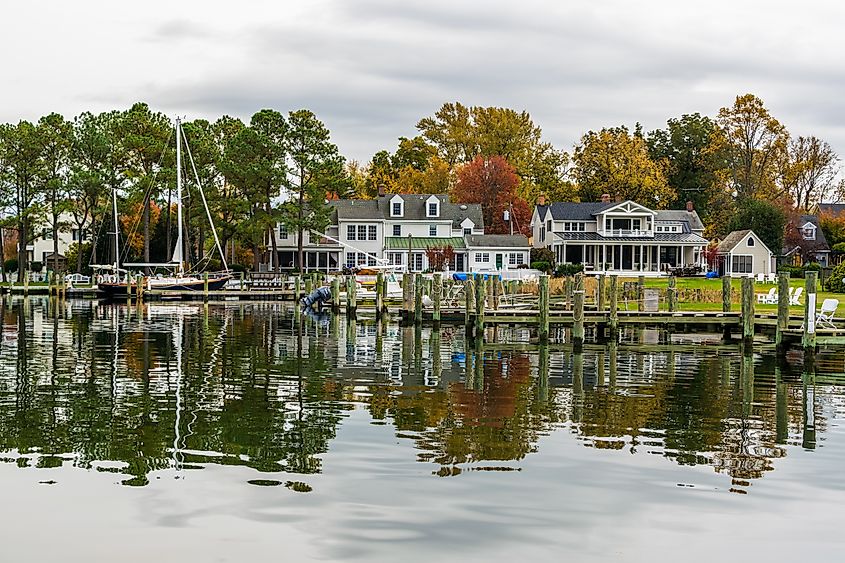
x=398 y=229
x=620 y=237
x=41 y=248
x=742 y=254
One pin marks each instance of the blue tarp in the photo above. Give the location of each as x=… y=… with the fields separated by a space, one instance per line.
x=462 y=276
x=712 y=275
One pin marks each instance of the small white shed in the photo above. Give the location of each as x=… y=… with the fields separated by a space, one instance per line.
x=743 y=254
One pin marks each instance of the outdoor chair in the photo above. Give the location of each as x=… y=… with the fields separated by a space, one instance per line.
x=772 y=278
x=761 y=278
x=770 y=297
x=824 y=318
x=794 y=299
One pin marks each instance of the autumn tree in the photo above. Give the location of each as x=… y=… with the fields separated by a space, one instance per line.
x=755 y=144
x=492 y=182
x=809 y=172
x=55 y=137
x=766 y=219
x=439 y=257
x=615 y=162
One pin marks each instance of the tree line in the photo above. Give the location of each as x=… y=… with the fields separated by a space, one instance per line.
x=740 y=168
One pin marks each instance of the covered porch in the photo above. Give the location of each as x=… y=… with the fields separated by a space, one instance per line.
x=638 y=258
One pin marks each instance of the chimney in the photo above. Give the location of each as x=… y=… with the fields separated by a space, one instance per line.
x=541 y=199
x=381 y=190
x=689 y=206
x=605 y=198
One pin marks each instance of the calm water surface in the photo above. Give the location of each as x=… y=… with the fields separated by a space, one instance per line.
x=236 y=433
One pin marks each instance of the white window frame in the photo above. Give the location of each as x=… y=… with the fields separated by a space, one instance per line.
x=483 y=258
x=750 y=269
x=432 y=230
x=397 y=230
x=350 y=232
x=372 y=232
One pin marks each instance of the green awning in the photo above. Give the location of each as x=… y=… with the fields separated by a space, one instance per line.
x=422 y=243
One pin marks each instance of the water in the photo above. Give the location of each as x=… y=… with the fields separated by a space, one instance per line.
x=180 y=433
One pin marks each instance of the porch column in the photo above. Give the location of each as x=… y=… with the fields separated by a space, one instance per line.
x=641 y=257
x=659 y=264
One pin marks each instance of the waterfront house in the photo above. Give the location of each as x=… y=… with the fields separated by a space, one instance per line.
x=743 y=254
x=40 y=249
x=400 y=230
x=621 y=237
x=806 y=242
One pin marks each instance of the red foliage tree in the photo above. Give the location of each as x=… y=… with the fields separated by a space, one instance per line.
x=439 y=257
x=492 y=182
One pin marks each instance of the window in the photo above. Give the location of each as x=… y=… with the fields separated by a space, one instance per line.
x=362 y=259
x=809 y=233
x=515 y=258
x=395 y=258
x=397 y=230
x=371 y=232
x=742 y=264
x=396 y=209
x=432 y=230
x=608 y=225
x=467 y=231
x=750 y=241
x=542 y=233
x=549 y=225
x=432 y=210
x=574 y=227
x=283 y=231
x=371 y=260
x=350 y=259
x=483 y=257
x=417 y=262
x=75 y=235
x=350 y=232
x=362 y=232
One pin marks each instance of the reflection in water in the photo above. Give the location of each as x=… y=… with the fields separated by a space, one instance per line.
x=137 y=389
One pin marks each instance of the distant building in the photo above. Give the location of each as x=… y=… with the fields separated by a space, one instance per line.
x=743 y=254
x=397 y=230
x=620 y=237
x=40 y=249
x=808 y=244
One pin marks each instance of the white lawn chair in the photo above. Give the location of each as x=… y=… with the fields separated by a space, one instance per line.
x=795 y=298
x=824 y=318
x=772 y=278
x=761 y=278
x=770 y=297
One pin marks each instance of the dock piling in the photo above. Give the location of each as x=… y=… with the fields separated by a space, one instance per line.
x=437 y=292
x=783 y=310
x=578 y=312
x=351 y=297
x=380 y=287
x=336 y=294
x=418 y=295
x=748 y=310
x=809 y=337
x=613 y=293
x=469 y=303
x=480 y=298
x=726 y=294
x=672 y=295
x=543 y=330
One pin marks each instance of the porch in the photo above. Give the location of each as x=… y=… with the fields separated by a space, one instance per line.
x=640 y=258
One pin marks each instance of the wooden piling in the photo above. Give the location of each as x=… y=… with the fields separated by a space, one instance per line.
x=809 y=337
x=407 y=296
x=748 y=310
x=336 y=294
x=418 y=294
x=469 y=304
x=601 y=293
x=351 y=297
x=783 y=310
x=543 y=325
x=204 y=286
x=380 y=287
x=297 y=282
x=640 y=293
x=309 y=285
x=578 y=312
x=726 y=294
x=480 y=298
x=437 y=292
x=613 y=293
x=672 y=295
x=567 y=291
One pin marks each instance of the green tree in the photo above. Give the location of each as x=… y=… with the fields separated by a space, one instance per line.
x=226 y=201
x=766 y=219
x=316 y=169
x=615 y=162
x=56 y=137
x=693 y=166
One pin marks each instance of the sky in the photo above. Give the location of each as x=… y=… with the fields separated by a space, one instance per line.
x=371 y=69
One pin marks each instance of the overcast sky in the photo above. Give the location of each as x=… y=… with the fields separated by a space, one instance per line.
x=371 y=69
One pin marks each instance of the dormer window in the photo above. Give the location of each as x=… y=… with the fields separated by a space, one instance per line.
x=750 y=241
x=397 y=206
x=808 y=231
x=432 y=208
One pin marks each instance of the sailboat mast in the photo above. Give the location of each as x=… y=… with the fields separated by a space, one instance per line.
x=116 y=231
x=179 y=239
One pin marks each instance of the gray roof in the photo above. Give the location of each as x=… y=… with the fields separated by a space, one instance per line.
x=690 y=219
x=817 y=245
x=689 y=238
x=574 y=211
x=733 y=239
x=415 y=209
x=835 y=209
x=497 y=241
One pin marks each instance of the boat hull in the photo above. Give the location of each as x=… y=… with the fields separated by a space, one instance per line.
x=116 y=290
x=189 y=284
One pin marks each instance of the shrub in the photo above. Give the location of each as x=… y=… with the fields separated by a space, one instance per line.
x=237 y=267
x=812 y=267
x=36 y=266
x=568 y=269
x=839 y=247
x=836 y=281
x=11 y=265
x=793 y=271
x=541 y=265
x=544 y=254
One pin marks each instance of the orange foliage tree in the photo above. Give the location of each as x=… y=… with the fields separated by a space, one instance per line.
x=130 y=224
x=492 y=182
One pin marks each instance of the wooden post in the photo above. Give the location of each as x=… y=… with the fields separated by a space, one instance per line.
x=726 y=294
x=578 y=313
x=494 y=302
x=748 y=310
x=351 y=297
x=379 y=293
x=26 y=283
x=543 y=329
x=614 y=305
x=297 y=292
x=418 y=294
x=437 y=291
x=809 y=337
x=640 y=293
x=336 y=294
x=567 y=291
x=309 y=285
x=783 y=309
x=469 y=302
x=480 y=297
x=204 y=286
x=600 y=293
x=672 y=295
x=407 y=296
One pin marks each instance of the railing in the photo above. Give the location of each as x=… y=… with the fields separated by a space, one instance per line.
x=628 y=233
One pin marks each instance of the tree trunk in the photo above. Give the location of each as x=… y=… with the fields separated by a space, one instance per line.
x=55 y=242
x=2 y=257
x=79 y=252
x=23 y=232
x=255 y=258
x=299 y=218
x=147 y=234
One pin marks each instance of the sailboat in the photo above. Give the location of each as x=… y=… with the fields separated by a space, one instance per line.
x=122 y=284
